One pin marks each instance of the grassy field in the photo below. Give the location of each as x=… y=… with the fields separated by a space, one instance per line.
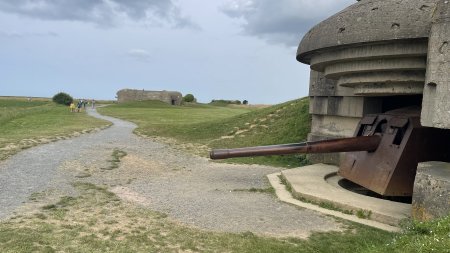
x=24 y=123
x=97 y=221
x=222 y=127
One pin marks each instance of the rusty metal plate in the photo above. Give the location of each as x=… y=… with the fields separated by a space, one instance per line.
x=391 y=169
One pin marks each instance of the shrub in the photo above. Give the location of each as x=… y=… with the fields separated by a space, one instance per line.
x=189 y=98
x=62 y=98
x=223 y=102
x=245 y=102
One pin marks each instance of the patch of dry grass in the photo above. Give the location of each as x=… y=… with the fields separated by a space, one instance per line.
x=97 y=221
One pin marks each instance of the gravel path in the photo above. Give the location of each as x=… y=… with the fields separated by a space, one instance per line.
x=190 y=189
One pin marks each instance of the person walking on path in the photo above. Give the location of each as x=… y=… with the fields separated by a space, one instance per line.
x=79 y=105
x=72 y=107
x=93 y=103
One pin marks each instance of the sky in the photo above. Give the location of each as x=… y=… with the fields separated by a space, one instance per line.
x=216 y=49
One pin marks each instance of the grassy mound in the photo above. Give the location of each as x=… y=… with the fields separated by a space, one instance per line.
x=284 y=123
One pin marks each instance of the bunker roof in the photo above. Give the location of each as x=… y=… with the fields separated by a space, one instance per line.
x=369 y=21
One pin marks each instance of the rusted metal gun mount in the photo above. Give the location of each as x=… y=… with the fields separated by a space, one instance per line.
x=382 y=156
x=391 y=170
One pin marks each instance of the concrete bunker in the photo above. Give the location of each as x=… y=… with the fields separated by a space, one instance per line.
x=377 y=56
x=170 y=97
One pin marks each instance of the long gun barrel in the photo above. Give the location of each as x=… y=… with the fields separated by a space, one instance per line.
x=361 y=143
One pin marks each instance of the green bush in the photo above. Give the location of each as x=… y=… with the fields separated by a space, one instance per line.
x=224 y=102
x=62 y=98
x=189 y=98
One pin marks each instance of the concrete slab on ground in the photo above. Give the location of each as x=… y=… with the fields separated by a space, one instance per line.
x=317 y=183
x=285 y=196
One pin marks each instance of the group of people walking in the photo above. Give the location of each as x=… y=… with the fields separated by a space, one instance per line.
x=81 y=105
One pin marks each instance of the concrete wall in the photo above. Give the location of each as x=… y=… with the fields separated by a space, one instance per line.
x=170 y=97
x=431 y=197
x=335 y=112
x=436 y=95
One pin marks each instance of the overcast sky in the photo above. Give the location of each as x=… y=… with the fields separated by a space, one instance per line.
x=216 y=49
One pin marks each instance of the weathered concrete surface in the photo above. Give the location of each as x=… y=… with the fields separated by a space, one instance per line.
x=337 y=117
x=170 y=97
x=345 y=106
x=285 y=196
x=334 y=125
x=436 y=96
x=380 y=68
x=404 y=64
x=394 y=49
x=431 y=197
x=318 y=183
x=319 y=85
x=367 y=21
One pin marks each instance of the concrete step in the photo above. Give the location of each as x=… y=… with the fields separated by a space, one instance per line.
x=319 y=184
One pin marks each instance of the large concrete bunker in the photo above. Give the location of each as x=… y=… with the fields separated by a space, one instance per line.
x=382 y=55
x=376 y=56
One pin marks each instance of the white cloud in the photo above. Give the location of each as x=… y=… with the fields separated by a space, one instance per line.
x=100 y=12
x=14 y=34
x=139 y=54
x=281 y=21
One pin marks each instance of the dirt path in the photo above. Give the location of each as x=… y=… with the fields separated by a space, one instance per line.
x=191 y=190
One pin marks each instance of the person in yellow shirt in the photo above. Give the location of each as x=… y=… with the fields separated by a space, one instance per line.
x=72 y=107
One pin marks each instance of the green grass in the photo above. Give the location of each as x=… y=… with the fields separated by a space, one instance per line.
x=116 y=155
x=10 y=109
x=269 y=190
x=223 y=127
x=26 y=123
x=97 y=221
x=284 y=123
x=154 y=117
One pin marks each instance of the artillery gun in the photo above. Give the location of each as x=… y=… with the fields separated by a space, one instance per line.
x=382 y=156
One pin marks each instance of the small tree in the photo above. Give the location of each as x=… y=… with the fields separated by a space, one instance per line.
x=245 y=102
x=62 y=98
x=189 y=98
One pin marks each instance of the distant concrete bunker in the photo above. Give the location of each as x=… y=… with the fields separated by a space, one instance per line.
x=170 y=97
